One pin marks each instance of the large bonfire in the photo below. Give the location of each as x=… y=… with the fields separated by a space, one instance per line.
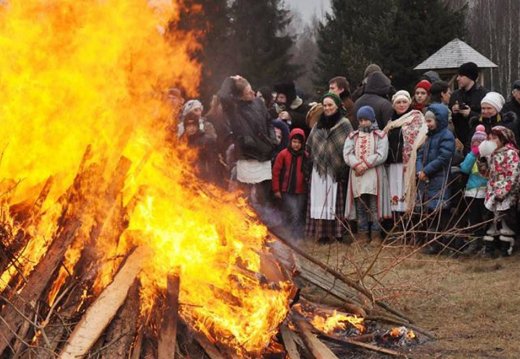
x=83 y=117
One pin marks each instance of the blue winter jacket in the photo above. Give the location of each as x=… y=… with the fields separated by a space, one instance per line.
x=434 y=159
x=468 y=166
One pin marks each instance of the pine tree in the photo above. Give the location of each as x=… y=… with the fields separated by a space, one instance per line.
x=350 y=37
x=262 y=48
x=395 y=34
x=421 y=28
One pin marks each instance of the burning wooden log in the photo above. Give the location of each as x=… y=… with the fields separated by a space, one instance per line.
x=209 y=348
x=290 y=343
x=101 y=312
x=168 y=334
x=315 y=346
x=14 y=313
x=121 y=333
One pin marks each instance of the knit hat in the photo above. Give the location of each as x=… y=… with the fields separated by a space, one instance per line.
x=190 y=106
x=494 y=99
x=333 y=96
x=470 y=70
x=367 y=113
x=371 y=69
x=401 y=94
x=424 y=84
x=479 y=135
x=516 y=85
x=505 y=135
x=431 y=76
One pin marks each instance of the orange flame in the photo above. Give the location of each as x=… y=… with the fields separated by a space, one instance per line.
x=337 y=321
x=90 y=72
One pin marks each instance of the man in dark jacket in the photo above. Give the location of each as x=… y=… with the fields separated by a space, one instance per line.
x=360 y=89
x=465 y=101
x=377 y=89
x=290 y=107
x=513 y=105
x=341 y=87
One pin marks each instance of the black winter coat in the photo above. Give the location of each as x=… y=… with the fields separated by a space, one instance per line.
x=253 y=133
x=512 y=106
x=376 y=91
x=471 y=98
x=507 y=119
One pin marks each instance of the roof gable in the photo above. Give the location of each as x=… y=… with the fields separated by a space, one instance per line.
x=454 y=54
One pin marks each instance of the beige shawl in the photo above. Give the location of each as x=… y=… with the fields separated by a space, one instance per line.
x=414 y=130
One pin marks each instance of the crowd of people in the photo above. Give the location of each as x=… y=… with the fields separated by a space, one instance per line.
x=359 y=164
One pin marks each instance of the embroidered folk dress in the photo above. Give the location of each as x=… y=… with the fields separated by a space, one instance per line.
x=372 y=149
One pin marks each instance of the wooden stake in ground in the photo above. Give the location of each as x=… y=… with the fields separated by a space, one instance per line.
x=103 y=310
x=168 y=334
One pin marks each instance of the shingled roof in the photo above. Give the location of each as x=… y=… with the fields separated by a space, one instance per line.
x=454 y=54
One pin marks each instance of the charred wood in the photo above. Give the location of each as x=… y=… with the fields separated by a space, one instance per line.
x=168 y=333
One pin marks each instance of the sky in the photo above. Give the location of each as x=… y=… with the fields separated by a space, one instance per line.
x=308 y=8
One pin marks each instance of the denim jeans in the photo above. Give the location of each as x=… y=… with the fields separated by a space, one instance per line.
x=366 y=211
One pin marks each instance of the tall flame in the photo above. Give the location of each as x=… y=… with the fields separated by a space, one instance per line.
x=75 y=73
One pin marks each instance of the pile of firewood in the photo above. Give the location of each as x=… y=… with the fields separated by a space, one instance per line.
x=81 y=322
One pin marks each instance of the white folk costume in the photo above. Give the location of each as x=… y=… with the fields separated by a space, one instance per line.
x=368 y=147
x=402 y=185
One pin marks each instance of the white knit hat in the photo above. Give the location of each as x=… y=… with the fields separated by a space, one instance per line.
x=494 y=99
x=401 y=94
x=190 y=106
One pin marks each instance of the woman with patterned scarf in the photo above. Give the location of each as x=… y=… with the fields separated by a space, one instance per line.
x=326 y=205
x=406 y=133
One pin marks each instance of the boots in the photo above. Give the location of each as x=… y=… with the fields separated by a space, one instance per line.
x=506 y=245
x=433 y=248
x=472 y=246
x=505 y=230
x=488 y=250
x=492 y=230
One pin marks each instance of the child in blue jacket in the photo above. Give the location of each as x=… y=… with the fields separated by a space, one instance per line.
x=475 y=192
x=433 y=171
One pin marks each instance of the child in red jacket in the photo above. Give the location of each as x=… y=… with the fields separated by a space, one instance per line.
x=289 y=182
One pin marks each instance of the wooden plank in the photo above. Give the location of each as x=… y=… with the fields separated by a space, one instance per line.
x=13 y=314
x=123 y=329
x=315 y=346
x=168 y=333
x=210 y=349
x=103 y=310
x=289 y=342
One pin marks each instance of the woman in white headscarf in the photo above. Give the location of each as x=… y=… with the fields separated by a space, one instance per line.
x=406 y=132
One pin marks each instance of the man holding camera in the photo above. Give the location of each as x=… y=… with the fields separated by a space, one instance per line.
x=465 y=102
